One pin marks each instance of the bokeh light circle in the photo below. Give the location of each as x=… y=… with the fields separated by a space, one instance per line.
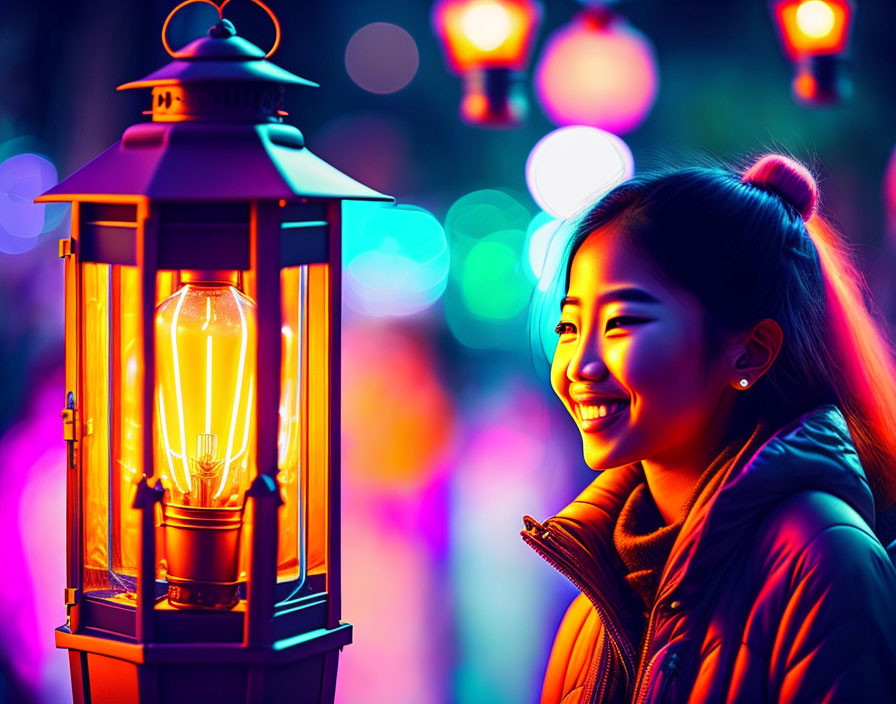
x=396 y=259
x=538 y=238
x=23 y=177
x=600 y=75
x=815 y=18
x=571 y=166
x=381 y=58
x=396 y=413
x=491 y=284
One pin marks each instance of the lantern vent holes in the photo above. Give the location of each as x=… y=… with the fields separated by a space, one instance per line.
x=218 y=102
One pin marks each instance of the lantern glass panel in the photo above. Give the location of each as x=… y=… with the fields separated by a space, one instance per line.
x=291 y=436
x=318 y=423
x=95 y=411
x=111 y=368
x=206 y=336
x=111 y=445
x=303 y=440
x=204 y=419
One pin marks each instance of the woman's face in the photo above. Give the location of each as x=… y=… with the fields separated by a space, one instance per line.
x=629 y=365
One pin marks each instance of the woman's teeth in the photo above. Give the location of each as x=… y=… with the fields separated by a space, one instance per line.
x=590 y=411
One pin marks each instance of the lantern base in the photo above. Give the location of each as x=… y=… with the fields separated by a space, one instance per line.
x=494 y=97
x=300 y=670
x=821 y=80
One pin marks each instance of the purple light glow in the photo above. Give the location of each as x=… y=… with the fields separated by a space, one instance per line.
x=370 y=148
x=23 y=177
x=381 y=58
x=32 y=542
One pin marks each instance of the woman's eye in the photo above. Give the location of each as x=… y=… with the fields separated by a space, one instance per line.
x=623 y=318
x=564 y=327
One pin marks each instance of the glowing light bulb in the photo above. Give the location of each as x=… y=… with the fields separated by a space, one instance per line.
x=205 y=362
x=815 y=18
x=487 y=25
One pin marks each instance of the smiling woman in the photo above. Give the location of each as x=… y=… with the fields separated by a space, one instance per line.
x=737 y=398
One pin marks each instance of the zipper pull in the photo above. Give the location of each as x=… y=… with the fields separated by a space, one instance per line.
x=672 y=664
x=531 y=523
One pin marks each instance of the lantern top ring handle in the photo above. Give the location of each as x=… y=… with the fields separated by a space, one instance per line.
x=220 y=9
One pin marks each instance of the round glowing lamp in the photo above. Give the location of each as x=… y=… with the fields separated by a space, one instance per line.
x=488 y=43
x=597 y=71
x=202 y=304
x=815 y=34
x=573 y=166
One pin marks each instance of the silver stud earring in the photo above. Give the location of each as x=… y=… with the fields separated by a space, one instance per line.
x=744 y=383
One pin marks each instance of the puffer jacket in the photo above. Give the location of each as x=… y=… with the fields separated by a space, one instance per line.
x=776 y=589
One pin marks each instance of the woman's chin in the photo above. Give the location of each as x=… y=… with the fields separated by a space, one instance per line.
x=600 y=460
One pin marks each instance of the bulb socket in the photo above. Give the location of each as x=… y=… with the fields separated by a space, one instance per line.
x=202 y=553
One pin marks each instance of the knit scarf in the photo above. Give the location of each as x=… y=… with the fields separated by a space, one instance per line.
x=642 y=538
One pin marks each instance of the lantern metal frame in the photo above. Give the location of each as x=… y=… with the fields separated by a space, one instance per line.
x=215 y=181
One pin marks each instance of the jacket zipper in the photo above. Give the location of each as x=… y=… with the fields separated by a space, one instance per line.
x=608 y=651
x=642 y=674
x=671 y=667
x=605 y=613
x=645 y=675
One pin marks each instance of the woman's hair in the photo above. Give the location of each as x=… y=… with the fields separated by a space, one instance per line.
x=751 y=246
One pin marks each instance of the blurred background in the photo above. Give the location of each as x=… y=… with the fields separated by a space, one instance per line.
x=451 y=432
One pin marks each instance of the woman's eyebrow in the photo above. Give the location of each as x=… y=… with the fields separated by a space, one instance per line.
x=630 y=294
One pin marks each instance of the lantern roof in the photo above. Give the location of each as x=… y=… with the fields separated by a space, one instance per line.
x=221 y=56
x=217 y=134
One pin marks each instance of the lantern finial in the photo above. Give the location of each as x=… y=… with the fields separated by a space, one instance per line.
x=223 y=29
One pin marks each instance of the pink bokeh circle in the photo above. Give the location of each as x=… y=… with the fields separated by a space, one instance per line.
x=598 y=74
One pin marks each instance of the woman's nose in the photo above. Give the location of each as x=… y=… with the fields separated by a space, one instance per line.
x=586 y=369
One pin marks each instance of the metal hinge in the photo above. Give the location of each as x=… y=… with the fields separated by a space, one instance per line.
x=66 y=248
x=71 y=596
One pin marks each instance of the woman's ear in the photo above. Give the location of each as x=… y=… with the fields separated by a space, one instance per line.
x=756 y=352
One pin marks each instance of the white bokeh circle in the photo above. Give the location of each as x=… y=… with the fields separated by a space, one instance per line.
x=573 y=166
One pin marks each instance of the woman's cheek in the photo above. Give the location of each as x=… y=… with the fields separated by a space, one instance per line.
x=559 y=380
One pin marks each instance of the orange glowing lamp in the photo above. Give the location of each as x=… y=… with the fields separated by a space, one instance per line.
x=479 y=34
x=815 y=34
x=488 y=43
x=202 y=413
x=813 y=27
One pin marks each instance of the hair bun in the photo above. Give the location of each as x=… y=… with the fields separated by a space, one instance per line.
x=788 y=178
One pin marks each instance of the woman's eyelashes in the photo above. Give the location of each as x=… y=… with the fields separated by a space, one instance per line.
x=564 y=327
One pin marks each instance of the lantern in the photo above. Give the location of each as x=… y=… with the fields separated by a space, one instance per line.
x=202 y=301
x=814 y=34
x=488 y=42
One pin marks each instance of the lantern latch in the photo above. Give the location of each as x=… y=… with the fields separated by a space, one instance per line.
x=65 y=248
x=71 y=596
x=68 y=424
x=68 y=427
